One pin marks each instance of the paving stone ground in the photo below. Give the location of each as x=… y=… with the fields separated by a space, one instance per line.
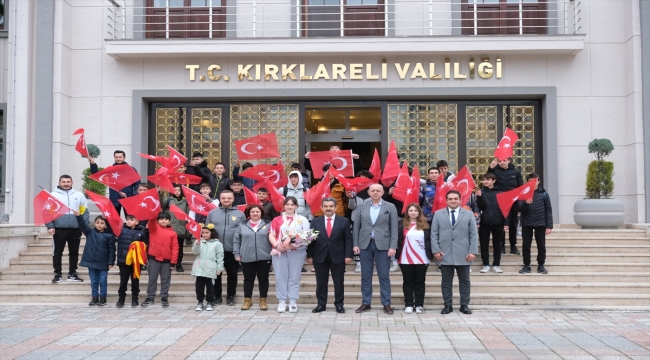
x=178 y=332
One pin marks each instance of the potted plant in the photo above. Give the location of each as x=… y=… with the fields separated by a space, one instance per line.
x=598 y=209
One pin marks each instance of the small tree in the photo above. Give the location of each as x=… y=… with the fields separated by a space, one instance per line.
x=600 y=173
x=88 y=183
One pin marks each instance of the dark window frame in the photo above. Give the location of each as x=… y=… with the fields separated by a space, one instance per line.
x=186 y=22
x=505 y=19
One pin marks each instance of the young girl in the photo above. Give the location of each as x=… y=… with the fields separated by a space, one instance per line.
x=207 y=265
x=414 y=254
x=98 y=256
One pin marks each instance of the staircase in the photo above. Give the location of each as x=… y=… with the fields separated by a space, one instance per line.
x=587 y=269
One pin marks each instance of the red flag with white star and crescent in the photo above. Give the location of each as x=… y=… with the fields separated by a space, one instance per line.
x=192 y=226
x=262 y=146
x=144 y=206
x=197 y=202
x=105 y=205
x=81 y=142
x=524 y=192
x=47 y=208
x=316 y=194
x=506 y=146
x=116 y=177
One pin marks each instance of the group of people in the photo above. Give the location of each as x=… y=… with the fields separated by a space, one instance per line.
x=366 y=226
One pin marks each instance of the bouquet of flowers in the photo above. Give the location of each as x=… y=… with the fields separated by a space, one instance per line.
x=297 y=239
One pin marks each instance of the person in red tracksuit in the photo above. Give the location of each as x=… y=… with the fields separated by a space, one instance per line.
x=162 y=254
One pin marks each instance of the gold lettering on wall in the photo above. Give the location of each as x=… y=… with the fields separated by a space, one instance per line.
x=302 y=73
x=369 y=75
x=498 y=68
x=356 y=71
x=288 y=71
x=447 y=69
x=271 y=71
x=339 y=70
x=418 y=71
x=192 y=69
x=457 y=74
x=471 y=68
x=244 y=72
x=485 y=69
x=321 y=73
x=432 y=72
x=401 y=71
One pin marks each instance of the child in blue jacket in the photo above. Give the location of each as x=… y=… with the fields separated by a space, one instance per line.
x=98 y=256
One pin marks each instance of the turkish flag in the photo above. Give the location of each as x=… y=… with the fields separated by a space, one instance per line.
x=413 y=191
x=442 y=188
x=316 y=194
x=375 y=167
x=391 y=167
x=105 y=205
x=47 y=208
x=524 y=192
x=174 y=160
x=116 y=177
x=342 y=160
x=197 y=202
x=355 y=185
x=275 y=173
x=155 y=158
x=144 y=206
x=161 y=178
x=403 y=183
x=251 y=199
x=192 y=226
x=263 y=146
x=464 y=183
x=274 y=195
x=81 y=143
x=506 y=145
x=187 y=179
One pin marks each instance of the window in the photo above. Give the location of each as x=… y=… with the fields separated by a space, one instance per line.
x=3 y=19
x=185 y=19
x=499 y=17
x=322 y=18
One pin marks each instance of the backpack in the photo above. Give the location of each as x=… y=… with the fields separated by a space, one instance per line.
x=285 y=190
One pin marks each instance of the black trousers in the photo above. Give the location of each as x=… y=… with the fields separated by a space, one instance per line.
x=447 y=283
x=73 y=238
x=204 y=283
x=259 y=269
x=512 y=232
x=126 y=273
x=414 y=283
x=484 y=232
x=181 y=243
x=231 y=265
x=322 y=280
x=540 y=239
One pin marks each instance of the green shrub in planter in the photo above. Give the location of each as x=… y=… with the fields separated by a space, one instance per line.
x=92 y=185
x=600 y=173
x=93 y=151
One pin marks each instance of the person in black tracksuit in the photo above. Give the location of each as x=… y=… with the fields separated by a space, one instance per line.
x=537 y=219
x=508 y=178
x=492 y=222
x=131 y=232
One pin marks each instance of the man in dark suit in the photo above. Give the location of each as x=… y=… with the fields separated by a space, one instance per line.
x=331 y=251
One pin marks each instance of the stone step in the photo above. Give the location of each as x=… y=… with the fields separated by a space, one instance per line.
x=309 y=285
x=353 y=299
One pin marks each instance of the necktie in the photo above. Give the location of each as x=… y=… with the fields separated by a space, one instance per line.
x=328 y=227
x=453 y=218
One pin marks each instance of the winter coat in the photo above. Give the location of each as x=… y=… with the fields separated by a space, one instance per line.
x=74 y=200
x=337 y=191
x=507 y=179
x=269 y=211
x=427 y=196
x=209 y=258
x=400 y=240
x=249 y=183
x=539 y=213
x=299 y=193
x=490 y=211
x=225 y=223
x=99 y=251
x=218 y=185
x=125 y=239
x=240 y=198
x=115 y=195
x=176 y=224
x=163 y=243
x=252 y=245
x=201 y=170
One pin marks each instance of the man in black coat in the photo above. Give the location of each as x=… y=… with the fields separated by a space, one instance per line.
x=537 y=219
x=508 y=178
x=492 y=221
x=198 y=166
x=331 y=251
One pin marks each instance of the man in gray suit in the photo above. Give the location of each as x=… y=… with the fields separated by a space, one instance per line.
x=375 y=239
x=454 y=243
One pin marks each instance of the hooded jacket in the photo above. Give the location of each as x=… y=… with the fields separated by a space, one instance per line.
x=163 y=243
x=490 y=211
x=539 y=213
x=74 y=200
x=219 y=185
x=115 y=195
x=209 y=258
x=127 y=236
x=99 y=251
x=176 y=224
x=225 y=223
x=298 y=192
x=251 y=245
x=507 y=179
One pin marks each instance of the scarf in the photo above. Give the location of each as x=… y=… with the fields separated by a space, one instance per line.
x=136 y=256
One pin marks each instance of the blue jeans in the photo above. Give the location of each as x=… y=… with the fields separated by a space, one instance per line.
x=380 y=259
x=98 y=282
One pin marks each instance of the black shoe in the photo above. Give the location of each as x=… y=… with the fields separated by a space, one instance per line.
x=102 y=301
x=239 y=269
x=363 y=308
x=134 y=300
x=94 y=301
x=148 y=302
x=541 y=269
x=218 y=301
x=514 y=250
x=447 y=310
x=188 y=242
x=319 y=308
x=230 y=300
x=165 y=302
x=74 y=278
x=143 y=267
x=340 y=309
x=465 y=310
x=57 y=278
x=525 y=270
x=179 y=268
x=120 y=301
x=503 y=250
x=303 y=269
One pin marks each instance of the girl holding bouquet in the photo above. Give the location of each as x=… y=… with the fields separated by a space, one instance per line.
x=288 y=254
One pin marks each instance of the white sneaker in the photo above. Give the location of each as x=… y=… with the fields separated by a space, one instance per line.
x=208 y=307
x=485 y=269
x=293 y=308
x=470 y=269
x=358 y=269
x=282 y=307
x=419 y=310
x=199 y=306
x=394 y=267
x=497 y=269
x=408 y=310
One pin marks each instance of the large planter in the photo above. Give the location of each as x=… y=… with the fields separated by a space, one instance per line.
x=599 y=213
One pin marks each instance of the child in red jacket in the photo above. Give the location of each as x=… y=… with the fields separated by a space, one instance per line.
x=162 y=253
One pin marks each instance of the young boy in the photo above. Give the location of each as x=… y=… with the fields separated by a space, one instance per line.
x=205 y=190
x=443 y=169
x=98 y=256
x=492 y=221
x=249 y=183
x=143 y=187
x=237 y=188
x=131 y=232
x=182 y=235
x=428 y=192
x=162 y=254
x=269 y=210
x=537 y=218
